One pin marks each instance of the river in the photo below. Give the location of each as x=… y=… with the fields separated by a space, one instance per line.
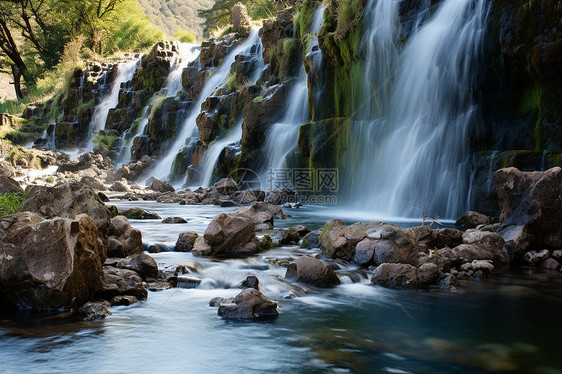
x=505 y=322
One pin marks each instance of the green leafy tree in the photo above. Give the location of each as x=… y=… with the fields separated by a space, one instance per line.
x=218 y=16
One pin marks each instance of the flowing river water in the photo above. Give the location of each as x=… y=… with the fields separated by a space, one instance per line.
x=501 y=323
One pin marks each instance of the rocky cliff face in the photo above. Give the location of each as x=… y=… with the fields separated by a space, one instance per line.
x=519 y=83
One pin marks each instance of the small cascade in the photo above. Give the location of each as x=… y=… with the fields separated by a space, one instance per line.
x=421 y=154
x=186 y=54
x=213 y=153
x=281 y=137
x=125 y=73
x=188 y=129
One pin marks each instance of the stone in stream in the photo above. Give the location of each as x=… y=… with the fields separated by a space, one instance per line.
x=142 y=264
x=174 y=220
x=313 y=272
x=405 y=275
x=186 y=241
x=119 y=186
x=93 y=310
x=225 y=186
x=49 y=264
x=136 y=213
x=119 y=282
x=229 y=235
x=251 y=281
x=160 y=186
x=124 y=240
x=248 y=304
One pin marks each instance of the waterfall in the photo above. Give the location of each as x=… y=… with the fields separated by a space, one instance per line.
x=186 y=54
x=381 y=43
x=188 y=128
x=213 y=153
x=125 y=72
x=281 y=137
x=418 y=152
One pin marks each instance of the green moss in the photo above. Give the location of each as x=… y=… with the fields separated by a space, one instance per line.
x=104 y=142
x=181 y=163
x=531 y=105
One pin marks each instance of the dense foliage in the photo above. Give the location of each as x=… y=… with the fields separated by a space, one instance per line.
x=34 y=34
x=218 y=16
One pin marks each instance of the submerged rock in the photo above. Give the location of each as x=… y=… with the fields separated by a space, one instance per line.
x=248 y=304
x=136 y=213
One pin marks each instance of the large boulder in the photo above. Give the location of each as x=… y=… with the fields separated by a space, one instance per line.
x=312 y=271
x=49 y=264
x=248 y=304
x=380 y=242
x=161 y=186
x=482 y=245
x=230 y=235
x=338 y=240
x=124 y=240
x=405 y=275
x=471 y=219
x=68 y=201
x=531 y=202
x=8 y=184
x=226 y=186
x=262 y=220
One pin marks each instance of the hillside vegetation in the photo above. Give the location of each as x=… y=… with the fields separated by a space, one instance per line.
x=176 y=15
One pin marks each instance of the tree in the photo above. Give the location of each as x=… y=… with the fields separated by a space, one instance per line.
x=42 y=28
x=219 y=15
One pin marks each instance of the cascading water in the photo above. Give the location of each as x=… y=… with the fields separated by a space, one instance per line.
x=186 y=54
x=381 y=43
x=125 y=73
x=213 y=153
x=282 y=137
x=421 y=146
x=189 y=127
x=233 y=137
